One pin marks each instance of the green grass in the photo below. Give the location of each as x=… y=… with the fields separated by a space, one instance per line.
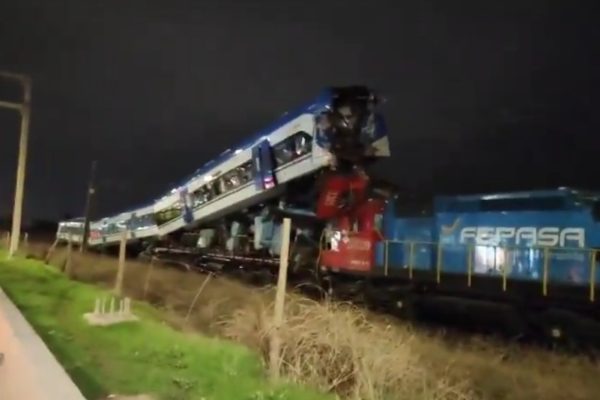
x=133 y=358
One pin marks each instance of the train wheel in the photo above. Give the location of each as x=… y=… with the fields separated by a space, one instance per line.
x=558 y=327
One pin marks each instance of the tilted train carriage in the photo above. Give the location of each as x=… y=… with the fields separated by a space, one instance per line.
x=239 y=193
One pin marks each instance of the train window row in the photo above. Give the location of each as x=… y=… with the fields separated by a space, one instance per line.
x=141 y=222
x=284 y=153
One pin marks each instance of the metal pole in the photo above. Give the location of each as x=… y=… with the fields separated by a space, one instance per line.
x=88 y=208
x=22 y=162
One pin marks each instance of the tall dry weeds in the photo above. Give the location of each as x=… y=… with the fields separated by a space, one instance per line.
x=336 y=348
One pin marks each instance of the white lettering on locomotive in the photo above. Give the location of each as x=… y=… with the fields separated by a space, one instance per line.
x=358 y=244
x=528 y=235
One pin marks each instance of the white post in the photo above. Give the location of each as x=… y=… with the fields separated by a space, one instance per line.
x=275 y=350
x=69 y=261
x=187 y=317
x=148 y=275
x=21 y=165
x=121 y=268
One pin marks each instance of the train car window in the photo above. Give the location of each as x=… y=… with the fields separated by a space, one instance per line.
x=302 y=143
x=245 y=172
x=222 y=184
x=200 y=196
x=284 y=152
x=291 y=148
x=215 y=189
x=168 y=214
x=523 y=204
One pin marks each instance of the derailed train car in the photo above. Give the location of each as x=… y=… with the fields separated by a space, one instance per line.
x=231 y=203
x=533 y=254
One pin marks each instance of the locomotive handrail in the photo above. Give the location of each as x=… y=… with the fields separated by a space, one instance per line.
x=504 y=267
x=593 y=257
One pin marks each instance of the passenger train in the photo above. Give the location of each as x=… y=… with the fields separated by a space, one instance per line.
x=341 y=130
x=532 y=254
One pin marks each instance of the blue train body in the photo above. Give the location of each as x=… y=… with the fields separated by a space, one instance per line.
x=540 y=236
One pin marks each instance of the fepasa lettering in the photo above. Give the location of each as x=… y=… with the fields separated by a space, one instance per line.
x=550 y=236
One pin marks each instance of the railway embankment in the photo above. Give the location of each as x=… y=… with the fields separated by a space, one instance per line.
x=28 y=370
x=144 y=357
x=338 y=348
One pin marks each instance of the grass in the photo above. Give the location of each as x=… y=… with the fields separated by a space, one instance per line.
x=345 y=350
x=132 y=358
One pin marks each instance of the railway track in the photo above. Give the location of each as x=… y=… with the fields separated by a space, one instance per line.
x=432 y=317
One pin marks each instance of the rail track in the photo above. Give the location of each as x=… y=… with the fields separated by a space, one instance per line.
x=433 y=316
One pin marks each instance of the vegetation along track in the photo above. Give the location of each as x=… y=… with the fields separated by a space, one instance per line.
x=342 y=348
x=262 y=273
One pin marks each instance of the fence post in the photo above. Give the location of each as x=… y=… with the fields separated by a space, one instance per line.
x=121 y=266
x=275 y=348
x=148 y=275
x=50 y=251
x=187 y=317
x=69 y=261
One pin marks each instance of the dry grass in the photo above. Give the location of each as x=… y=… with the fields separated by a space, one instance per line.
x=342 y=349
x=335 y=347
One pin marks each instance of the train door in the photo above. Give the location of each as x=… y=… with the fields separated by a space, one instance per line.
x=186 y=202
x=263 y=166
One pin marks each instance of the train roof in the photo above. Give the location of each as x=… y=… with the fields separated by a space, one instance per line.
x=544 y=196
x=544 y=193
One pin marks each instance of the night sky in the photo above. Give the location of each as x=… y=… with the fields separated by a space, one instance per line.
x=481 y=96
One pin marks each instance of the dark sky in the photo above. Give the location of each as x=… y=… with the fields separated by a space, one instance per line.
x=480 y=95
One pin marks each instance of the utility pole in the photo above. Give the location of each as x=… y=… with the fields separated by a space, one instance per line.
x=88 y=208
x=25 y=109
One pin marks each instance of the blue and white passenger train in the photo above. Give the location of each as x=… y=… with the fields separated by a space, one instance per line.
x=339 y=128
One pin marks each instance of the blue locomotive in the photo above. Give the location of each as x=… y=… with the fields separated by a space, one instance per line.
x=537 y=250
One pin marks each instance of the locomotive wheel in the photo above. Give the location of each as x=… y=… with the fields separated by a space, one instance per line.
x=559 y=328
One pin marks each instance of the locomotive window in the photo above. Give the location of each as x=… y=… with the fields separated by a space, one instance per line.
x=523 y=204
